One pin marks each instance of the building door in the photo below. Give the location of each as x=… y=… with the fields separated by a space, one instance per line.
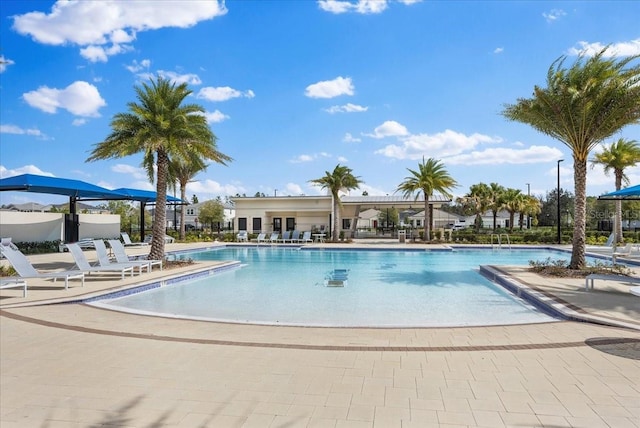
x=277 y=224
x=291 y=223
x=242 y=223
x=257 y=224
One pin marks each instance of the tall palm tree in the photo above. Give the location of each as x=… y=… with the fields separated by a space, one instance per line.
x=496 y=202
x=618 y=156
x=513 y=201
x=431 y=176
x=582 y=106
x=162 y=127
x=531 y=207
x=476 y=202
x=341 y=178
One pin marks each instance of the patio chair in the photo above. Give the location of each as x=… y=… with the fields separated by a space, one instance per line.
x=286 y=236
x=306 y=237
x=167 y=239
x=25 y=269
x=105 y=261
x=242 y=236
x=273 y=238
x=295 y=236
x=261 y=238
x=83 y=264
x=128 y=243
x=120 y=253
x=14 y=282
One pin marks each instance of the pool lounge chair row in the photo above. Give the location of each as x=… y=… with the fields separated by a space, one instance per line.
x=122 y=264
x=287 y=237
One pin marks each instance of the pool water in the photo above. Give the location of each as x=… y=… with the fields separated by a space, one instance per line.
x=286 y=286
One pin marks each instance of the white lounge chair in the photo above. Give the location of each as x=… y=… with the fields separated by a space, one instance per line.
x=128 y=243
x=105 y=261
x=83 y=264
x=286 y=236
x=306 y=237
x=273 y=238
x=120 y=253
x=295 y=236
x=261 y=238
x=25 y=269
x=242 y=236
x=635 y=290
x=14 y=282
x=167 y=239
x=608 y=277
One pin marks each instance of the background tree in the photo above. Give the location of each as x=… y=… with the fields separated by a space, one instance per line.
x=476 y=202
x=430 y=177
x=211 y=213
x=513 y=201
x=496 y=201
x=340 y=179
x=388 y=216
x=617 y=157
x=582 y=106
x=194 y=199
x=161 y=127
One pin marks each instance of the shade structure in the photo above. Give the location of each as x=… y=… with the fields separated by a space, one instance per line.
x=627 y=193
x=146 y=196
x=57 y=186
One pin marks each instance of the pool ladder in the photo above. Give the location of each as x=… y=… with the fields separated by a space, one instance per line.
x=498 y=237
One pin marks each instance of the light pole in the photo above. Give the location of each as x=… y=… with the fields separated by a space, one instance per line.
x=559 y=237
x=528 y=216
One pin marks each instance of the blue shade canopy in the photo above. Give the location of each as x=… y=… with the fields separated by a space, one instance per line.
x=57 y=186
x=145 y=195
x=632 y=192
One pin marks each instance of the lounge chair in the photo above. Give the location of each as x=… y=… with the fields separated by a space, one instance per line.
x=608 y=277
x=273 y=238
x=608 y=246
x=6 y=242
x=167 y=239
x=286 y=236
x=295 y=236
x=306 y=237
x=261 y=238
x=105 y=261
x=128 y=243
x=14 y=282
x=83 y=264
x=622 y=252
x=25 y=269
x=635 y=290
x=120 y=253
x=242 y=236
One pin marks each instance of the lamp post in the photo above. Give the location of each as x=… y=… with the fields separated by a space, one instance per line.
x=559 y=237
x=528 y=216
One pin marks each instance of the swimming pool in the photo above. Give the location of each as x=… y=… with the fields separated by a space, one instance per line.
x=287 y=286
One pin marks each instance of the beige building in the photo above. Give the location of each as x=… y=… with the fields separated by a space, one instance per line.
x=313 y=213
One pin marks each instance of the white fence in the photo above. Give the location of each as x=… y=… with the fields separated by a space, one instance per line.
x=40 y=227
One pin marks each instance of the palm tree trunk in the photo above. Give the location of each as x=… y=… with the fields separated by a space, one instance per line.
x=160 y=218
x=618 y=219
x=427 y=220
x=579 y=215
x=183 y=196
x=335 y=218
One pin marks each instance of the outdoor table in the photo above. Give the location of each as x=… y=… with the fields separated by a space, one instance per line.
x=319 y=237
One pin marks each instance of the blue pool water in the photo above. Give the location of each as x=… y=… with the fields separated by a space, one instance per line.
x=286 y=286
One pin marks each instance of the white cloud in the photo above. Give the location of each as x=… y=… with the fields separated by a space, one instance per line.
x=102 y=28
x=293 y=189
x=27 y=169
x=390 y=128
x=222 y=93
x=330 y=88
x=137 y=67
x=79 y=122
x=191 y=79
x=629 y=48
x=308 y=158
x=342 y=159
x=502 y=155
x=80 y=98
x=553 y=15
x=348 y=138
x=498 y=50
x=136 y=172
x=442 y=144
x=347 y=108
x=215 y=116
x=4 y=63
x=213 y=188
x=13 y=129
x=359 y=6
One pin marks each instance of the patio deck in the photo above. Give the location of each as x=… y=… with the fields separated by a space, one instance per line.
x=75 y=365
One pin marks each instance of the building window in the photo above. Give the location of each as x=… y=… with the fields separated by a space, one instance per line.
x=257 y=224
x=190 y=211
x=242 y=223
x=346 y=223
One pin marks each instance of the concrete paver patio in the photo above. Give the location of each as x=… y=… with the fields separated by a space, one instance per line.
x=72 y=365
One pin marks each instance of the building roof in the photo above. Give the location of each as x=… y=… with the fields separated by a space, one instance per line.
x=390 y=199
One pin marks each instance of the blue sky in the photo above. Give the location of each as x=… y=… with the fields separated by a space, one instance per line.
x=293 y=88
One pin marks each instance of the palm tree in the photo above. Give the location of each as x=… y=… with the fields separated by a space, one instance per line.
x=581 y=107
x=341 y=178
x=513 y=201
x=496 y=203
x=618 y=156
x=180 y=173
x=430 y=177
x=476 y=202
x=531 y=207
x=163 y=128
